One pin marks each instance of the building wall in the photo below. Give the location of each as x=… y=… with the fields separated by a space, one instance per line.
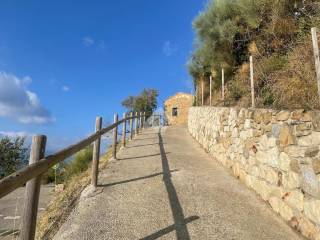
x=182 y=102
x=275 y=153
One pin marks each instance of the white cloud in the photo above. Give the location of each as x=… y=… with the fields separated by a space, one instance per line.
x=87 y=41
x=168 y=48
x=102 y=44
x=19 y=103
x=65 y=88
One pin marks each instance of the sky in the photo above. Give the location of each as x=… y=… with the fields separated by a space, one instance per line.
x=62 y=63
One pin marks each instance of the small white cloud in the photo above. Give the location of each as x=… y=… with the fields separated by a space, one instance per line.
x=102 y=44
x=65 y=88
x=168 y=48
x=87 y=41
x=19 y=103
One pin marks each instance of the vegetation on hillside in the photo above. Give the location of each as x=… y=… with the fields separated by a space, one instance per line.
x=146 y=101
x=13 y=155
x=276 y=33
x=64 y=171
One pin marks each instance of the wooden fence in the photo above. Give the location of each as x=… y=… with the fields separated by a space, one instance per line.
x=39 y=164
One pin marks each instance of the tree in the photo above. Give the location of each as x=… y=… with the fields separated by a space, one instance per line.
x=13 y=155
x=229 y=31
x=146 y=101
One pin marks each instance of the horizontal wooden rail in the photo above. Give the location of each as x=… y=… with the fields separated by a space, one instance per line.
x=17 y=179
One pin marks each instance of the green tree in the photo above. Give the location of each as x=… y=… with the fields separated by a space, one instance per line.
x=146 y=101
x=13 y=155
x=228 y=31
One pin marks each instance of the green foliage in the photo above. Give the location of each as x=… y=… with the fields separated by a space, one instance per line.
x=146 y=101
x=13 y=155
x=80 y=163
x=228 y=31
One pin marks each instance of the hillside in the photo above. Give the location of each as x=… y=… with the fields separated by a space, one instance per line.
x=277 y=35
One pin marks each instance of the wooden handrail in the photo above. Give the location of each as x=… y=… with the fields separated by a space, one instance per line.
x=18 y=178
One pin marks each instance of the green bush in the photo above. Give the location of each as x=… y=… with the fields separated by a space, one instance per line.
x=80 y=163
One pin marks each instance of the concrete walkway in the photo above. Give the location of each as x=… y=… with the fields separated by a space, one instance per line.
x=164 y=186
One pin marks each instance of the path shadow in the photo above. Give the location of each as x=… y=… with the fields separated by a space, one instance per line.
x=145 y=156
x=138 y=139
x=143 y=145
x=133 y=179
x=168 y=229
x=180 y=222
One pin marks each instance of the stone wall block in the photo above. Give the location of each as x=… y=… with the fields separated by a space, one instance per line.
x=286 y=137
x=294 y=199
x=291 y=180
x=312 y=210
x=283 y=116
x=276 y=153
x=285 y=161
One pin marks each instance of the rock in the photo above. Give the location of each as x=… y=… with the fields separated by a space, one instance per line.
x=294 y=199
x=267 y=128
x=312 y=139
x=272 y=142
x=311 y=151
x=269 y=157
x=285 y=211
x=309 y=180
x=271 y=175
x=291 y=180
x=307 y=117
x=295 y=151
x=246 y=134
x=297 y=114
x=275 y=203
x=294 y=166
x=235 y=133
x=285 y=161
x=312 y=210
x=316 y=121
x=304 y=126
x=307 y=228
x=275 y=130
x=247 y=124
x=266 y=117
x=262 y=188
x=316 y=165
x=285 y=137
x=283 y=116
x=236 y=169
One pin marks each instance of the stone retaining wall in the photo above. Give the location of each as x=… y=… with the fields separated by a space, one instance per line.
x=275 y=153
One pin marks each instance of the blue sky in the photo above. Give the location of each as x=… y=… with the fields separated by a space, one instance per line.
x=62 y=63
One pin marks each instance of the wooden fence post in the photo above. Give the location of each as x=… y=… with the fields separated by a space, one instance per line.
x=124 y=130
x=210 y=90
x=131 y=126
x=136 y=123
x=196 y=97
x=115 y=138
x=316 y=55
x=222 y=79
x=140 y=120
x=96 y=154
x=29 y=218
x=202 y=91
x=252 y=83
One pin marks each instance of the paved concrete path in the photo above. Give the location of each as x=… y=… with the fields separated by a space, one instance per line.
x=164 y=186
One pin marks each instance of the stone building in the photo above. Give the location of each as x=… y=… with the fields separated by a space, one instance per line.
x=176 y=108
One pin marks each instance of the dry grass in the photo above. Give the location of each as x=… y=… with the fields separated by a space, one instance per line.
x=63 y=203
